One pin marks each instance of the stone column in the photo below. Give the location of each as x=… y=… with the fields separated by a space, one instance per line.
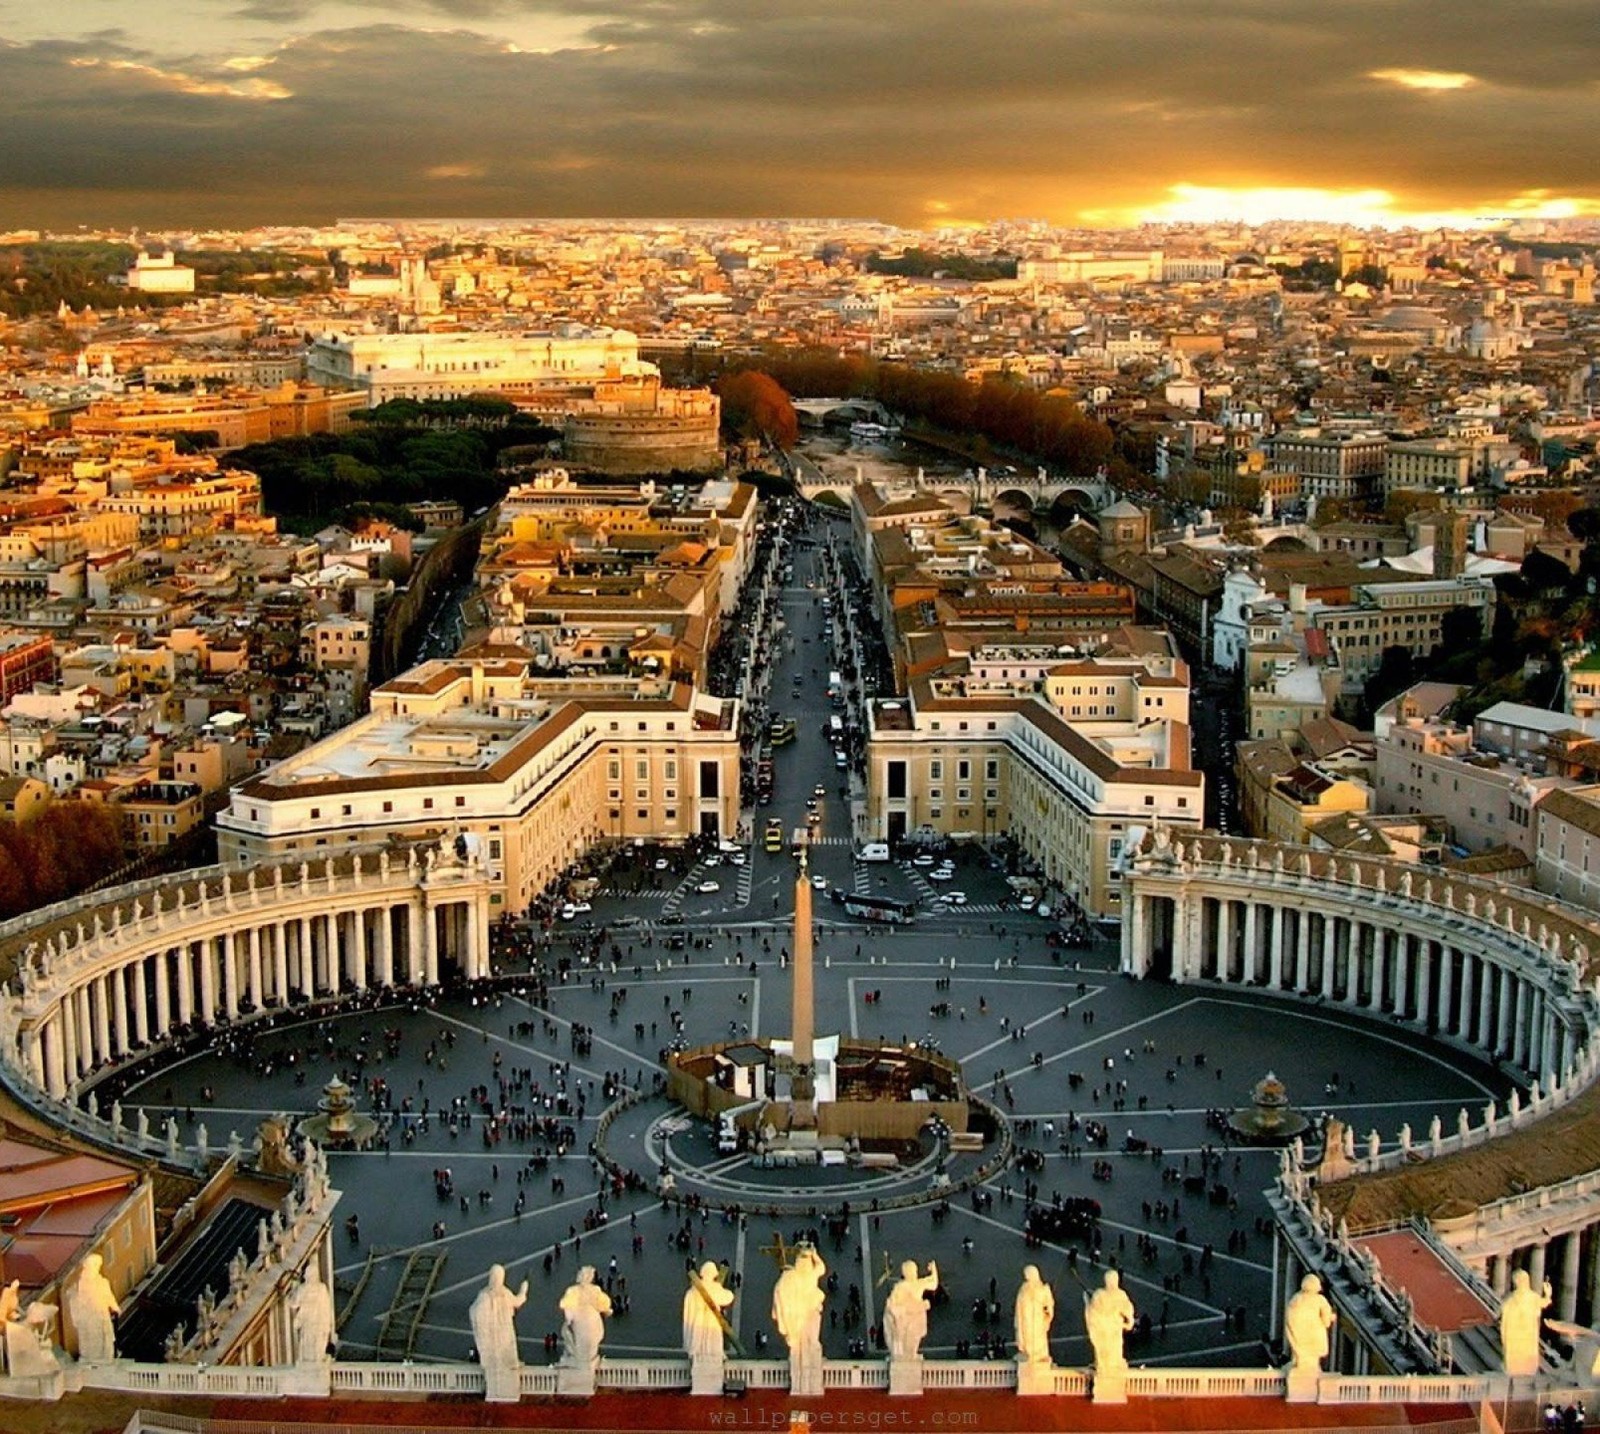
x=258 y=995
x=1424 y=978
x=1466 y=1001
x=208 y=981
x=416 y=920
x=69 y=1037
x=100 y=1018
x=1504 y=999
x=227 y=958
x=55 y=1066
x=1519 y=1020
x=358 y=947
x=1447 y=990
x=280 y=960
x=1567 y=1295
x=1302 y=952
x=33 y=1054
x=1275 y=939
x=1486 y=974
x=1224 y=939
x=1536 y=1258
x=1136 y=938
x=1252 y=940
x=1330 y=947
x=430 y=946
x=141 y=1002
x=1402 y=974
x=161 y=969
x=383 y=936
x=1594 y=1274
x=185 y=959
x=119 y=1010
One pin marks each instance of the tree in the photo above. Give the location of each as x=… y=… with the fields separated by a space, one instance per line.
x=1396 y=672
x=754 y=405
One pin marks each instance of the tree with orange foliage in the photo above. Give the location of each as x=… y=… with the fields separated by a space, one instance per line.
x=754 y=405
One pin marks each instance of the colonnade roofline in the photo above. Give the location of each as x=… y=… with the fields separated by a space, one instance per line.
x=36 y=939
x=1559 y=931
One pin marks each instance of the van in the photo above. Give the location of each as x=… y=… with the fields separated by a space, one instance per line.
x=874 y=851
x=836 y=728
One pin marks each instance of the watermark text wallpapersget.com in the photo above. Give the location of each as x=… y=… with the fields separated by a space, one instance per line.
x=842 y=1419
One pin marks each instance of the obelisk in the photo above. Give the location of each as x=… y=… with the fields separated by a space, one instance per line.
x=802 y=1090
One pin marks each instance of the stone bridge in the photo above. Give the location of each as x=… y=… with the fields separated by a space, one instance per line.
x=979 y=488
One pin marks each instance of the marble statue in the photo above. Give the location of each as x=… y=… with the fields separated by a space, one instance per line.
x=312 y=1308
x=585 y=1306
x=1107 y=1316
x=1035 y=1311
x=28 y=1335
x=493 y=1318
x=90 y=1304
x=905 y=1313
x=141 y=1124
x=1307 y=1318
x=797 y=1301
x=1520 y=1314
x=703 y=1321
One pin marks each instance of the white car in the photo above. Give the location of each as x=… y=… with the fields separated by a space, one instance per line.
x=819 y=882
x=579 y=908
x=713 y=860
x=662 y=863
x=923 y=860
x=705 y=888
x=1028 y=902
x=819 y=790
x=953 y=898
x=727 y=847
x=568 y=911
x=736 y=859
x=943 y=874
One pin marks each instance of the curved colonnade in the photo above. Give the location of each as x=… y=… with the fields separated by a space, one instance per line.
x=1498 y=971
x=112 y=976
x=1501 y=972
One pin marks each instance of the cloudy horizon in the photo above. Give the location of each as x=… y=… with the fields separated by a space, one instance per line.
x=207 y=113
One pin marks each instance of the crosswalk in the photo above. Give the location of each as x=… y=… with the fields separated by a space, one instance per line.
x=631 y=895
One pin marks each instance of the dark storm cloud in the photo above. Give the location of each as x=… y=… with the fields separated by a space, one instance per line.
x=721 y=106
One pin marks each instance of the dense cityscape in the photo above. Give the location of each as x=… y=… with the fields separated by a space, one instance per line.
x=639 y=822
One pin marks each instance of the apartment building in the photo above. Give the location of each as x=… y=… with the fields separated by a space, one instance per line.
x=1487 y=799
x=1331 y=464
x=539 y=769
x=1070 y=791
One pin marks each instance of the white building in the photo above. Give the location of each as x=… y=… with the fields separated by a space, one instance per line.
x=456 y=365
x=160 y=274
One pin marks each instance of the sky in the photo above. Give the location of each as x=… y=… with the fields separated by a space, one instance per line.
x=195 y=113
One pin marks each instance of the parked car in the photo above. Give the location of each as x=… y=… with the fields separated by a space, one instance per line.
x=705 y=888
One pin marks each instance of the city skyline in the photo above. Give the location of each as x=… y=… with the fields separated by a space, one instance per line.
x=1081 y=113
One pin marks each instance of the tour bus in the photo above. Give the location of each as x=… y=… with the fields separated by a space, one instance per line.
x=782 y=731
x=773 y=841
x=880 y=908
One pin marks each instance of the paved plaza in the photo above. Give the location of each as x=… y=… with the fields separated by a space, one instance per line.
x=1057 y=1071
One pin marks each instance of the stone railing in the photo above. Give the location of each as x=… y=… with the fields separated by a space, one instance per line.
x=1520 y=1113
x=1351 y=1275
x=422 y=1381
